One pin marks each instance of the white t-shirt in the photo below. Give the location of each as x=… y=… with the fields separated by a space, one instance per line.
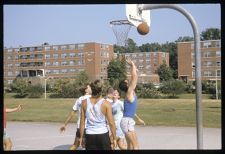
x=117 y=110
x=77 y=107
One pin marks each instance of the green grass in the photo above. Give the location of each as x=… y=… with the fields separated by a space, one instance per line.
x=155 y=112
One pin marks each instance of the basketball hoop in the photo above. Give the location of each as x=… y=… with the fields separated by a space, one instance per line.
x=121 y=29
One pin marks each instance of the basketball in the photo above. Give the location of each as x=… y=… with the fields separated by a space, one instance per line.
x=143 y=28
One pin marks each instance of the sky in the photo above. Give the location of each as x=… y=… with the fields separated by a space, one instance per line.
x=33 y=25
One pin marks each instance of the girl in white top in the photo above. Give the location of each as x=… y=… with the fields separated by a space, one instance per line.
x=117 y=110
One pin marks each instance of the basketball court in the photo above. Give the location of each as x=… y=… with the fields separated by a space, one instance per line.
x=46 y=136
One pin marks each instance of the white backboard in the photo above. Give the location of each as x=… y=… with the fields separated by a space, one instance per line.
x=135 y=16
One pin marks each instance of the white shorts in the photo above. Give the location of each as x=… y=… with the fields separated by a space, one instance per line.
x=127 y=124
x=6 y=135
x=119 y=132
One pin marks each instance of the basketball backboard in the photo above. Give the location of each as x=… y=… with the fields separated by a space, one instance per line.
x=136 y=16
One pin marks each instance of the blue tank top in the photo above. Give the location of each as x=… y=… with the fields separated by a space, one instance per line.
x=130 y=107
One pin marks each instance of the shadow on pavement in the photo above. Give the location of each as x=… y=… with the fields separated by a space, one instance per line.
x=62 y=147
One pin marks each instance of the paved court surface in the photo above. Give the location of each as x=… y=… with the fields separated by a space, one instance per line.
x=46 y=136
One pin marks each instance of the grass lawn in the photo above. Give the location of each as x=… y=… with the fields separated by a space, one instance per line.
x=155 y=112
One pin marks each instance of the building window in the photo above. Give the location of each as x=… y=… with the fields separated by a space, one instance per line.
x=72 y=62
x=218 y=63
x=17 y=64
x=104 y=46
x=39 y=48
x=32 y=49
x=10 y=73
x=32 y=56
x=56 y=71
x=207 y=44
x=47 y=48
x=48 y=71
x=10 y=65
x=218 y=44
x=63 y=63
x=55 y=48
x=56 y=63
x=72 y=70
x=55 y=56
x=208 y=54
x=81 y=62
x=72 y=47
x=141 y=60
x=64 y=71
x=72 y=55
x=218 y=73
x=218 y=53
x=80 y=54
x=47 y=63
x=140 y=54
x=147 y=55
x=17 y=73
x=17 y=50
x=10 y=50
x=10 y=57
x=80 y=46
x=207 y=73
x=39 y=56
x=47 y=56
x=63 y=47
x=134 y=55
x=193 y=73
x=10 y=81
x=192 y=46
x=64 y=55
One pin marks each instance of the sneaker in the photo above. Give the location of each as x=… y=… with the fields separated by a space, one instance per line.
x=73 y=147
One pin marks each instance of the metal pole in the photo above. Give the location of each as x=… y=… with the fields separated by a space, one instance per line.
x=45 y=88
x=216 y=86
x=199 y=123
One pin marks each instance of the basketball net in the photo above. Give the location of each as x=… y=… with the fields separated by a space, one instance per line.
x=121 y=29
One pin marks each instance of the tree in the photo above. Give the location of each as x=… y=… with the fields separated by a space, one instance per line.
x=116 y=71
x=131 y=46
x=82 y=78
x=20 y=86
x=171 y=48
x=164 y=72
x=153 y=47
x=185 y=39
x=211 y=34
x=172 y=87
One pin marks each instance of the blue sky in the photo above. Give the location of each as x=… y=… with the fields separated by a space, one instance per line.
x=31 y=25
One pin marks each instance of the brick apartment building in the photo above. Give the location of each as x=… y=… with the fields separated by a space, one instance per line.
x=147 y=64
x=57 y=61
x=37 y=63
x=210 y=60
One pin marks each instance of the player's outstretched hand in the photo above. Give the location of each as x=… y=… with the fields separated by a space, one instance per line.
x=142 y=122
x=129 y=61
x=62 y=129
x=19 y=107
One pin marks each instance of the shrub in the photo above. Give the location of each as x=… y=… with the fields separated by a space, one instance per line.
x=172 y=88
x=35 y=91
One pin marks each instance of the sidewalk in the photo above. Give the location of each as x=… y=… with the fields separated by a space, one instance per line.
x=46 y=136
